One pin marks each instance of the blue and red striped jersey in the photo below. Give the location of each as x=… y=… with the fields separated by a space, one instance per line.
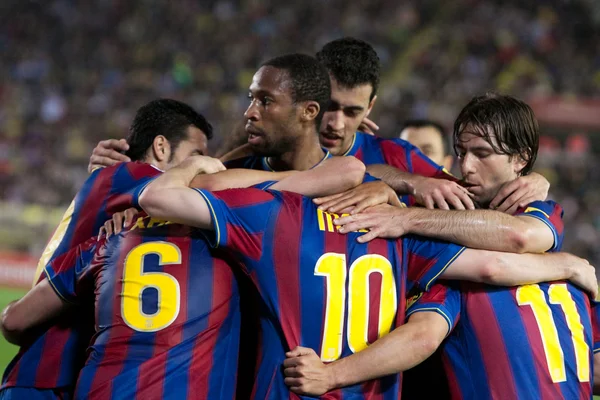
x=527 y=342
x=166 y=311
x=54 y=358
x=320 y=289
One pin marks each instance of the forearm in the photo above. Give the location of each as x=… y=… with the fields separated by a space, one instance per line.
x=508 y=269
x=9 y=333
x=402 y=349
x=398 y=180
x=236 y=178
x=477 y=229
x=336 y=175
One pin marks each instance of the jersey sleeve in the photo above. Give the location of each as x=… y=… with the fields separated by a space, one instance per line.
x=550 y=213
x=444 y=299
x=595 y=306
x=406 y=157
x=240 y=218
x=69 y=272
x=106 y=191
x=426 y=259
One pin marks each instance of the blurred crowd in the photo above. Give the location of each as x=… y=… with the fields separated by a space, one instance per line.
x=75 y=72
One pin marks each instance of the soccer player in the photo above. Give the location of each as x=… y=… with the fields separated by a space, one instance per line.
x=163 y=133
x=430 y=137
x=301 y=267
x=527 y=342
x=167 y=307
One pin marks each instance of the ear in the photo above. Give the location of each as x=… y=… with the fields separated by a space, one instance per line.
x=161 y=148
x=371 y=104
x=518 y=164
x=310 y=111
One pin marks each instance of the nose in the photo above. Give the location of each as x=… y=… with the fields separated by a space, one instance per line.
x=467 y=164
x=335 y=121
x=252 y=112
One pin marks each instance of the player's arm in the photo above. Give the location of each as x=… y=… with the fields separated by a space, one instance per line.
x=479 y=229
x=401 y=349
x=334 y=175
x=509 y=269
x=39 y=305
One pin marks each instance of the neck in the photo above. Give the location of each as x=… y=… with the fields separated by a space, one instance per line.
x=307 y=154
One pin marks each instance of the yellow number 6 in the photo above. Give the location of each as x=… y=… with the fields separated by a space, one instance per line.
x=135 y=281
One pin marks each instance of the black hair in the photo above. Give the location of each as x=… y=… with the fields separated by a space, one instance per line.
x=424 y=123
x=310 y=81
x=166 y=117
x=351 y=62
x=510 y=120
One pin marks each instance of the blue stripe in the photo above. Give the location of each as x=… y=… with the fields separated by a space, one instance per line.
x=515 y=338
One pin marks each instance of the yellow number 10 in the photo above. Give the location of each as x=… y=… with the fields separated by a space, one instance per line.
x=558 y=293
x=332 y=266
x=135 y=281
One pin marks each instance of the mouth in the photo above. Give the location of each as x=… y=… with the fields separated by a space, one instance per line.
x=329 y=139
x=255 y=135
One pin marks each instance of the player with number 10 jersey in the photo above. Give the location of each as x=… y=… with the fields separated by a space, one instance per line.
x=167 y=314
x=322 y=289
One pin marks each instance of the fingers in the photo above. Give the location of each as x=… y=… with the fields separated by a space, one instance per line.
x=322 y=200
x=299 y=351
x=130 y=214
x=428 y=202
x=503 y=193
x=108 y=228
x=117 y=220
x=101 y=232
x=465 y=199
x=113 y=144
x=511 y=202
x=368 y=126
x=290 y=381
x=367 y=237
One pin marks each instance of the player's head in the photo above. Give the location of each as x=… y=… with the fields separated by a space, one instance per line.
x=165 y=132
x=496 y=139
x=430 y=138
x=288 y=97
x=354 y=68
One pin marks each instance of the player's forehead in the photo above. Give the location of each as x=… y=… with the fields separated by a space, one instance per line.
x=357 y=96
x=271 y=80
x=426 y=135
x=472 y=137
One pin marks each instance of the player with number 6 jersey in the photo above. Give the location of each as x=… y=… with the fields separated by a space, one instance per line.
x=167 y=314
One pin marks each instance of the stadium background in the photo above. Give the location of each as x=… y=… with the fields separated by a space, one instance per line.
x=73 y=73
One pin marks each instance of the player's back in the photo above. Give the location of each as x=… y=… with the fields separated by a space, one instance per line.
x=167 y=318
x=527 y=342
x=322 y=289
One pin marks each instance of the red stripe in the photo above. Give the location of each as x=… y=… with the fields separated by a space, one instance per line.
x=151 y=376
x=139 y=170
x=48 y=368
x=395 y=155
x=243 y=197
x=495 y=356
x=117 y=344
x=287 y=269
x=453 y=386
x=400 y=286
x=204 y=347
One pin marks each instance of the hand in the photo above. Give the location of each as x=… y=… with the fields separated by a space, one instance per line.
x=305 y=373
x=520 y=192
x=205 y=164
x=368 y=126
x=584 y=274
x=108 y=153
x=443 y=193
x=383 y=221
x=119 y=221
x=361 y=197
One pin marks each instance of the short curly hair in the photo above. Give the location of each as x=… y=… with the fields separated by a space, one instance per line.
x=310 y=80
x=351 y=62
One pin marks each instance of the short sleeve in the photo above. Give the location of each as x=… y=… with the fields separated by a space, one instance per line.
x=550 y=213
x=240 y=218
x=444 y=299
x=427 y=259
x=69 y=272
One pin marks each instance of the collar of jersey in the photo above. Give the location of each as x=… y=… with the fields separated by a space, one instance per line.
x=267 y=165
x=353 y=147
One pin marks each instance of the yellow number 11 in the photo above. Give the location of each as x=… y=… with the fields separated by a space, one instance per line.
x=558 y=293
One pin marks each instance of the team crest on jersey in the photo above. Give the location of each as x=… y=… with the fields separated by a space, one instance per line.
x=413 y=299
x=326 y=221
